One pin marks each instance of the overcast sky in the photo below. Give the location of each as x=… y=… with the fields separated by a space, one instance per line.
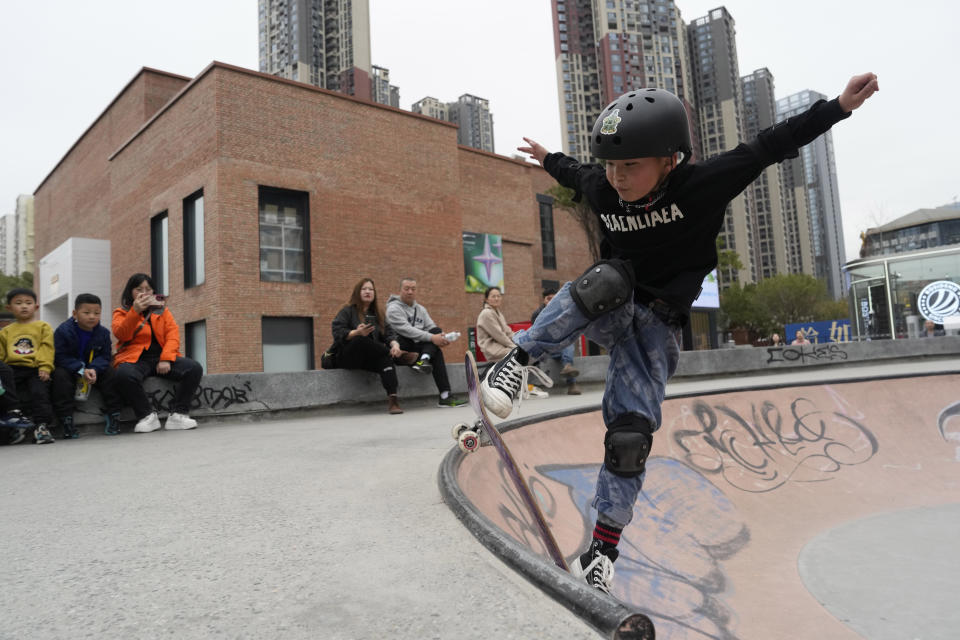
x=63 y=61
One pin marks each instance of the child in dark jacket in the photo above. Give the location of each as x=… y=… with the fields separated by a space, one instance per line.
x=660 y=217
x=81 y=361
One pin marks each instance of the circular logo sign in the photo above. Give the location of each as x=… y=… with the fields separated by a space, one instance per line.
x=939 y=300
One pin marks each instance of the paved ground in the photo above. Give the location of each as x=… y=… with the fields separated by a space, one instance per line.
x=803 y=512
x=327 y=526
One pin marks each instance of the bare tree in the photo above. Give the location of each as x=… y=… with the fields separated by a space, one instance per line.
x=582 y=213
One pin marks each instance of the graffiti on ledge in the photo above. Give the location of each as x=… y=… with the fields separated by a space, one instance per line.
x=212 y=398
x=803 y=354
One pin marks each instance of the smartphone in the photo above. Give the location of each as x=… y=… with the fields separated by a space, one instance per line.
x=370 y=319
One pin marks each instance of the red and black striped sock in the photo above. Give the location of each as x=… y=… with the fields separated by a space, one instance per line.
x=607 y=534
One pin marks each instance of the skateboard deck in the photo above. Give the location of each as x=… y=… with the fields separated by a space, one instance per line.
x=513 y=470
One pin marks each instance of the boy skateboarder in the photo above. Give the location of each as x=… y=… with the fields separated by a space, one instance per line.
x=660 y=216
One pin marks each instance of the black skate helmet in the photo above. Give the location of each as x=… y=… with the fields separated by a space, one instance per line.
x=646 y=123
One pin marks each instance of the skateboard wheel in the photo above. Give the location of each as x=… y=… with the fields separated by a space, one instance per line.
x=468 y=441
x=459 y=428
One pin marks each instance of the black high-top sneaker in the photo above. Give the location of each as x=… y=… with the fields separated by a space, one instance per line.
x=595 y=565
x=69 y=429
x=111 y=424
x=506 y=380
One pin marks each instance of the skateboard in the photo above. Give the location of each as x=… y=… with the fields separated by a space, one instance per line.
x=468 y=439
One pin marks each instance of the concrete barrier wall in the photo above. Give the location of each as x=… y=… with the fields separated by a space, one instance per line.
x=257 y=393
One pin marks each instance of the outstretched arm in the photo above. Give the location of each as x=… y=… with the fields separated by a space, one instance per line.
x=536 y=150
x=857 y=91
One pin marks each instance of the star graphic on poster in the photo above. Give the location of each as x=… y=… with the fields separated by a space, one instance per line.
x=487 y=258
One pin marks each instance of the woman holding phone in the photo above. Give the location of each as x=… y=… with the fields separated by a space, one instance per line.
x=148 y=344
x=365 y=341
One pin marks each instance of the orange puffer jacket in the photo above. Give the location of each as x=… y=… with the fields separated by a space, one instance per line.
x=130 y=346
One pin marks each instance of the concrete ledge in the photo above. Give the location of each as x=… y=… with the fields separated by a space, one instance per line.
x=263 y=393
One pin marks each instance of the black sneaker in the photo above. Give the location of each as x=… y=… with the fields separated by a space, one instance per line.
x=15 y=420
x=422 y=366
x=595 y=565
x=18 y=436
x=41 y=435
x=111 y=424
x=451 y=401
x=505 y=380
x=69 y=430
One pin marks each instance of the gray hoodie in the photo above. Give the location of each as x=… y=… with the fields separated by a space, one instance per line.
x=411 y=322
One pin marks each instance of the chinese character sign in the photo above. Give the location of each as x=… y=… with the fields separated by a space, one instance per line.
x=820 y=332
x=482 y=261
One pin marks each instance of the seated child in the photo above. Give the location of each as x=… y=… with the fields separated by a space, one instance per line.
x=27 y=346
x=13 y=425
x=82 y=360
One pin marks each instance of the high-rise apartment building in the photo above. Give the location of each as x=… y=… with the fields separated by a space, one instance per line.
x=812 y=179
x=470 y=113
x=381 y=90
x=716 y=81
x=605 y=48
x=759 y=113
x=432 y=107
x=320 y=42
x=8 y=244
x=25 y=238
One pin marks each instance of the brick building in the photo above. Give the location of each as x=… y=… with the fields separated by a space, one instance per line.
x=189 y=178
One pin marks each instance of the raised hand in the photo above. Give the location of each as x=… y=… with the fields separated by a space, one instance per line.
x=858 y=90
x=536 y=150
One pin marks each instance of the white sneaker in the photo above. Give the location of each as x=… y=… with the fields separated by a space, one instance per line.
x=180 y=421
x=148 y=424
x=502 y=385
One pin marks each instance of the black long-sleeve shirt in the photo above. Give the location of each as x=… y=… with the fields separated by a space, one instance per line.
x=671 y=241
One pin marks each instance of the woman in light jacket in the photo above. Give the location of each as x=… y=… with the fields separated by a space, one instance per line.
x=493 y=333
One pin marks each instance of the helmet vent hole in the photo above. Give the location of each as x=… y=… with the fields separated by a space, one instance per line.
x=649 y=99
x=630 y=107
x=599 y=139
x=616 y=139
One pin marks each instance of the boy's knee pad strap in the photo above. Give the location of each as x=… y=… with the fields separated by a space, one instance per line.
x=627 y=446
x=603 y=287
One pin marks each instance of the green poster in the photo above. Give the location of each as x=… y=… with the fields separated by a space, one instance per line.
x=482 y=261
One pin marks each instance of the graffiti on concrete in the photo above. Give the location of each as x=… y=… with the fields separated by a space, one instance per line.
x=212 y=398
x=765 y=446
x=809 y=353
x=672 y=554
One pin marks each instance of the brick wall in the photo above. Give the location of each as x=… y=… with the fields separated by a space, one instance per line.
x=390 y=193
x=70 y=201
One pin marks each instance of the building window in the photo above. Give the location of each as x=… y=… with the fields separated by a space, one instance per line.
x=287 y=344
x=193 y=256
x=159 y=250
x=284 y=230
x=547 y=241
x=195 y=341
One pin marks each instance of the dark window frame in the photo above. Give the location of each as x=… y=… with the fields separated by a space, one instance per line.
x=194 y=255
x=548 y=239
x=160 y=259
x=300 y=200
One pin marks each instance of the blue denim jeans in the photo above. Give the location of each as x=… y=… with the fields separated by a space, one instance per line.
x=643 y=355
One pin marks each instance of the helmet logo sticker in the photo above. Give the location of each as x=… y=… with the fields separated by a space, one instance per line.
x=610 y=123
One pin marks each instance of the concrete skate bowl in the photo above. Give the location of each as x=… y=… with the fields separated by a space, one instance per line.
x=803 y=512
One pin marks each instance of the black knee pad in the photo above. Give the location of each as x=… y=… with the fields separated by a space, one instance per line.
x=605 y=286
x=627 y=446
